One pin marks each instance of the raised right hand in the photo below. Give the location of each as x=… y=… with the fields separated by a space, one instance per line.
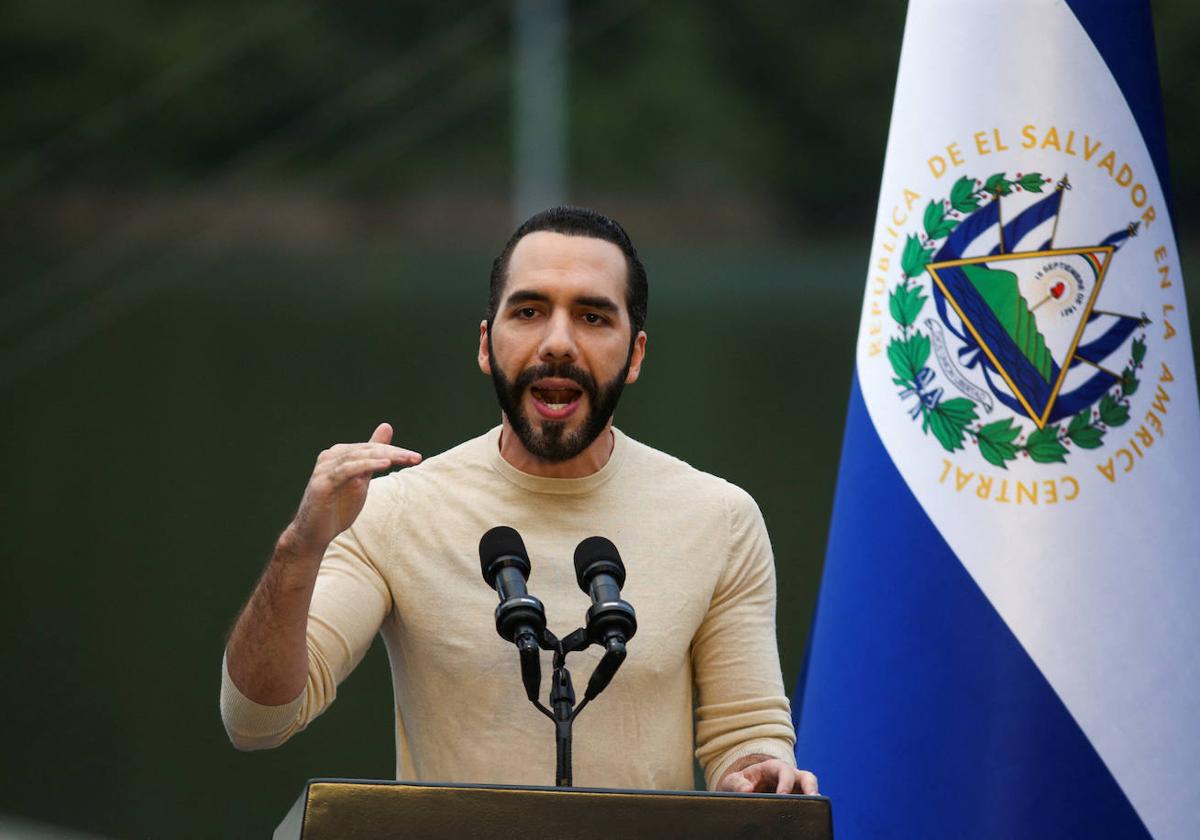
x=337 y=490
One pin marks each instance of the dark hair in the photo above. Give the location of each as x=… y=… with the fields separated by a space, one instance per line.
x=578 y=221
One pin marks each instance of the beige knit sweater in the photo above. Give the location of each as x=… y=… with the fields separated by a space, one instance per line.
x=699 y=573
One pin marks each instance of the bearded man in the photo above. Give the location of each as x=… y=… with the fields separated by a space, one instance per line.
x=397 y=556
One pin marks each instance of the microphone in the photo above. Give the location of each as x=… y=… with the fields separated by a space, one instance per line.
x=611 y=622
x=520 y=618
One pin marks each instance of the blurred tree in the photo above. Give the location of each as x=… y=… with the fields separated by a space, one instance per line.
x=774 y=101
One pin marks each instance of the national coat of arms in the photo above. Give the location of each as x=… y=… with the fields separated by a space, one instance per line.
x=1017 y=329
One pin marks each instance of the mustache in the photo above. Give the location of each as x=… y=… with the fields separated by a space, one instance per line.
x=559 y=370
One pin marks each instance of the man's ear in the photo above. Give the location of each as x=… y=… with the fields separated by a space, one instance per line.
x=485 y=358
x=636 y=358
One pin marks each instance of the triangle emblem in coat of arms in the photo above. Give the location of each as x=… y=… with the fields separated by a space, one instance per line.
x=1027 y=311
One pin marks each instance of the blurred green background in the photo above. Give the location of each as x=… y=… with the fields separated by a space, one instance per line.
x=236 y=232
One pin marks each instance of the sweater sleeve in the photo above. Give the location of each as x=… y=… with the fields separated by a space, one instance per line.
x=349 y=604
x=742 y=709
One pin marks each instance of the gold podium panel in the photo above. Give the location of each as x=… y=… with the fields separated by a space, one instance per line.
x=365 y=810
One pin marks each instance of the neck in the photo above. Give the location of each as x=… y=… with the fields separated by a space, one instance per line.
x=587 y=462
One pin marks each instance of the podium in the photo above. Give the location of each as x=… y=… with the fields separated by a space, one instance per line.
x=349 y=809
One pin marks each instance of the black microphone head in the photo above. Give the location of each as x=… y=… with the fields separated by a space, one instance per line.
x=594 y=556
x=502 y=543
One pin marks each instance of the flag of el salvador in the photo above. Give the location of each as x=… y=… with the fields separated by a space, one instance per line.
x=1007 y=634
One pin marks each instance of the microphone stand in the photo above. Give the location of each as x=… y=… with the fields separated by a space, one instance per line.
x=563 y=710
x=521 y=619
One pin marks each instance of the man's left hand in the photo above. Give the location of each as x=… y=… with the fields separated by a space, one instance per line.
x=762 y=774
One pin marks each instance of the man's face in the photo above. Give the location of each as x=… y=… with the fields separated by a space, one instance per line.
x=559 y=350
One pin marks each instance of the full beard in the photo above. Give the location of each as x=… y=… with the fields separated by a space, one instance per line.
x=549 y=440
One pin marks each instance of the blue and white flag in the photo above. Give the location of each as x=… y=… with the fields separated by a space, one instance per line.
x=1007 y=639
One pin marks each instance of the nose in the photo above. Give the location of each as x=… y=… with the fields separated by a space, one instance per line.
x=558 y=342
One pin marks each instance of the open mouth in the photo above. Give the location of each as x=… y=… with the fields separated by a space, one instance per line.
x=555 y=399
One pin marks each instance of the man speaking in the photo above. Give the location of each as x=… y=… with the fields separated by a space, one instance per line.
x=398 y=556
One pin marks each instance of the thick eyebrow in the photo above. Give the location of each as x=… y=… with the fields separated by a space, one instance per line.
x=526 y=296
x=600 y=302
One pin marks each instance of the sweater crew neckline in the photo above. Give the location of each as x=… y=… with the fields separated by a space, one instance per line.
x=558 y=486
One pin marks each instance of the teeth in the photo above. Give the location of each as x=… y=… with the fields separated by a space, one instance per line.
x=556 y=406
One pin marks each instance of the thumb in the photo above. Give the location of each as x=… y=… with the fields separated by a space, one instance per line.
x=739 y=782
x=742 y=783
x=382 y=433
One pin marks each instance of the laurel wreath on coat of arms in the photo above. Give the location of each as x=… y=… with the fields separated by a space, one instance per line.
x=955 y=420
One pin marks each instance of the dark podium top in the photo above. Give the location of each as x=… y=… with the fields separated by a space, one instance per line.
x=369 y=810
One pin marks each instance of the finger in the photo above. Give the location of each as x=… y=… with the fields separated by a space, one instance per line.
x=382 y=433
x=405 y=457
x=760 y=777
x=807 y=782
x=768 y=776
x=396 y=454
x=357 y=468
x=737 y=783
